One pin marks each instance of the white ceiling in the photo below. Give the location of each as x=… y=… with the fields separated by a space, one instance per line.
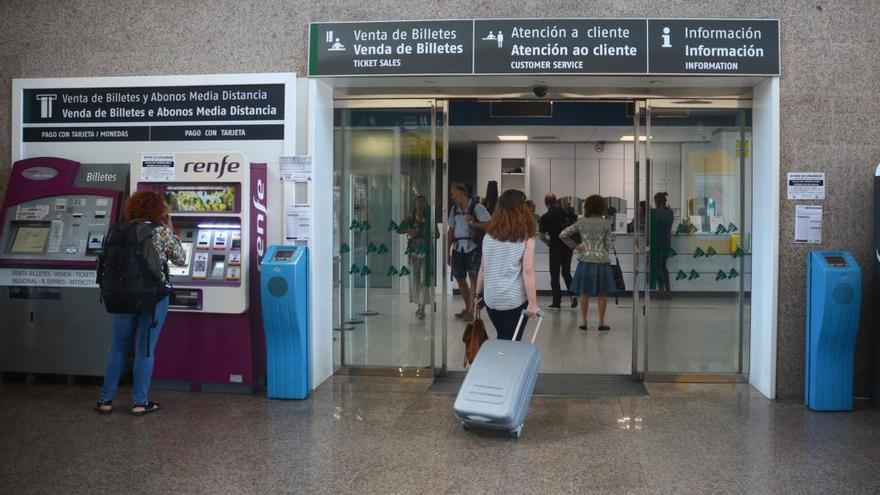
x=567 y=134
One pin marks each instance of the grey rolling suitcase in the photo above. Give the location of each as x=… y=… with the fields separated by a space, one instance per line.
x=498 y=387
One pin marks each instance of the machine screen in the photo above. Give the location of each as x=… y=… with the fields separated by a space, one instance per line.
x=201 y=198
x=30 y=239
x=182 y=271
x=283 y=255
x=835 y=261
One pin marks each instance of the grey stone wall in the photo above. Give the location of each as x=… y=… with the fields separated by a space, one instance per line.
x=830 y=87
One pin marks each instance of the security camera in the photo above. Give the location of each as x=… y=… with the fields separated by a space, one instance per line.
x=540 y=91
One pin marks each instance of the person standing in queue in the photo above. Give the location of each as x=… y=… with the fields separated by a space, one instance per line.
x=506 y=281
x=662 y=218
x=593 y=276
x=467 y=223
x=139 y=301
x=551 y=225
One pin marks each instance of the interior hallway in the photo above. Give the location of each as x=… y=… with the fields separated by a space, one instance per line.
x=690 y=334
x=388 y=436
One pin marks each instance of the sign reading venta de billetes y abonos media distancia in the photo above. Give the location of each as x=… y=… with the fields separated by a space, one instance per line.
x=158 y=113
x=725 y=47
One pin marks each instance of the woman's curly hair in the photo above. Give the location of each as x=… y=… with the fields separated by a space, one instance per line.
x=145 y=205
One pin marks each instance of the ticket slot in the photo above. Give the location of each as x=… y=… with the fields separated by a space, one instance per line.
x=190 y=299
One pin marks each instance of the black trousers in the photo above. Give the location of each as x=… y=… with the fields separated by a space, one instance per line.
x=560 y=262
x=663 y=275
x=505 y=321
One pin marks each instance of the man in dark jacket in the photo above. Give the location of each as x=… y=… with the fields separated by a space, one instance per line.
x=552 y=223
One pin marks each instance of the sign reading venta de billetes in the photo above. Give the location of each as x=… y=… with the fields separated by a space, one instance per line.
x=545 y=46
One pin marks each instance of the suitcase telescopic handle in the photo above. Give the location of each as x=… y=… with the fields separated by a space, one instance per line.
x=519 y=324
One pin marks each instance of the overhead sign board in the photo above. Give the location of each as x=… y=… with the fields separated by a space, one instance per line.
x=546 y=46
x=417 y=47
x=560 y=46
x=717 y=47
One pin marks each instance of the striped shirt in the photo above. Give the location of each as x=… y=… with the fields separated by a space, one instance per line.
x=503 y=286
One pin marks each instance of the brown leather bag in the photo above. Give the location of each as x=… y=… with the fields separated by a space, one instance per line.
x=473 y=337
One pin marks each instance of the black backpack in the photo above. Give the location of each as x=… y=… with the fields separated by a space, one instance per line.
x=476 y=234
x=130 y=271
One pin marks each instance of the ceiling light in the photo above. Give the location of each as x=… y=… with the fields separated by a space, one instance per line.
x=513 y=138
x=632 y=138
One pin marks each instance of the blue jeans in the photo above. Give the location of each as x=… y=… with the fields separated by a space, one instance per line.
x=144 y=356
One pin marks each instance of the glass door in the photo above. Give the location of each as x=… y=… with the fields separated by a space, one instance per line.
x=385 y=155
x=697 y=239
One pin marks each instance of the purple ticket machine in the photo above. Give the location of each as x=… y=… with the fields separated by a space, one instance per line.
x=213 y=337
x=54 y=218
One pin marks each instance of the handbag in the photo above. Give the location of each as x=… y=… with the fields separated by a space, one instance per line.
x=473 y=337
x=619 y=282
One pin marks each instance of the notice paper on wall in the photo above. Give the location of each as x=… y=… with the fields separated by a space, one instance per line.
x=296 y=168
x=157 y=167
x=808 y=224
x=806 y=185
x=299 y=223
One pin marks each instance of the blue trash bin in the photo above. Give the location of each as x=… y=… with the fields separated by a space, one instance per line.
x=834 y=296
x=284 y=282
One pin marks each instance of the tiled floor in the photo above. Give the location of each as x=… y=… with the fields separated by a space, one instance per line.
x=688 y=334
x=387 y=436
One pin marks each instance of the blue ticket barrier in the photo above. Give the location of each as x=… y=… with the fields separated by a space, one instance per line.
x=284 y=282
x=834 y=296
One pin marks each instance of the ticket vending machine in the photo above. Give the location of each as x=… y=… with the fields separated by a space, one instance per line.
x=212 y=339
x=55 y=215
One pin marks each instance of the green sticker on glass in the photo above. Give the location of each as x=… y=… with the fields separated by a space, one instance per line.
x=366 y=270
x=344 y=248
x=392 y=226
x=354 y=269
x=693 y=275
x=699 y=253
x=392 y=271
x=711 y=251
x=382 y=249
x=720 y=275
x=404 y=271
x=681 y=275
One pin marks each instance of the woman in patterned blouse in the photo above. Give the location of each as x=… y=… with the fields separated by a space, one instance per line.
x=148 y=207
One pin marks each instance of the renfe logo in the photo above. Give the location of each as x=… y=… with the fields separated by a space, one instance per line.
x=46 y=105
x=212 y=167
x=259 y=201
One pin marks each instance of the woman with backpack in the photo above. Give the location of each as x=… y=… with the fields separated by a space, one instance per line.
x=593 y=276
x=147 y=220
x=506 y=280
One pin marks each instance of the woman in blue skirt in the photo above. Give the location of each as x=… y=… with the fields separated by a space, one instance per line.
x=593 y=276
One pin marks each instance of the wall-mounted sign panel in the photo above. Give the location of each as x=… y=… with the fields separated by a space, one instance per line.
x=546 y=46
x=370 y=48
x=717 y=47
x=560 y=46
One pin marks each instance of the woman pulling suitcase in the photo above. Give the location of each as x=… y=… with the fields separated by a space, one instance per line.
x=506 y=280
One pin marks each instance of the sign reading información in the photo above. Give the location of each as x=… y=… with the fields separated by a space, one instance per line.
x=546 y=46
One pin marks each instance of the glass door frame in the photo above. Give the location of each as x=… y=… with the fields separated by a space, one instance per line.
x=642 y=313
x=436 y=107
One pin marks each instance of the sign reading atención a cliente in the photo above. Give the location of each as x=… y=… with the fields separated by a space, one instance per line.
x=726 y=47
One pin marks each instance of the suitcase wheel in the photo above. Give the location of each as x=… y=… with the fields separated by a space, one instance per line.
x=465 y=426
x=517 y=433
